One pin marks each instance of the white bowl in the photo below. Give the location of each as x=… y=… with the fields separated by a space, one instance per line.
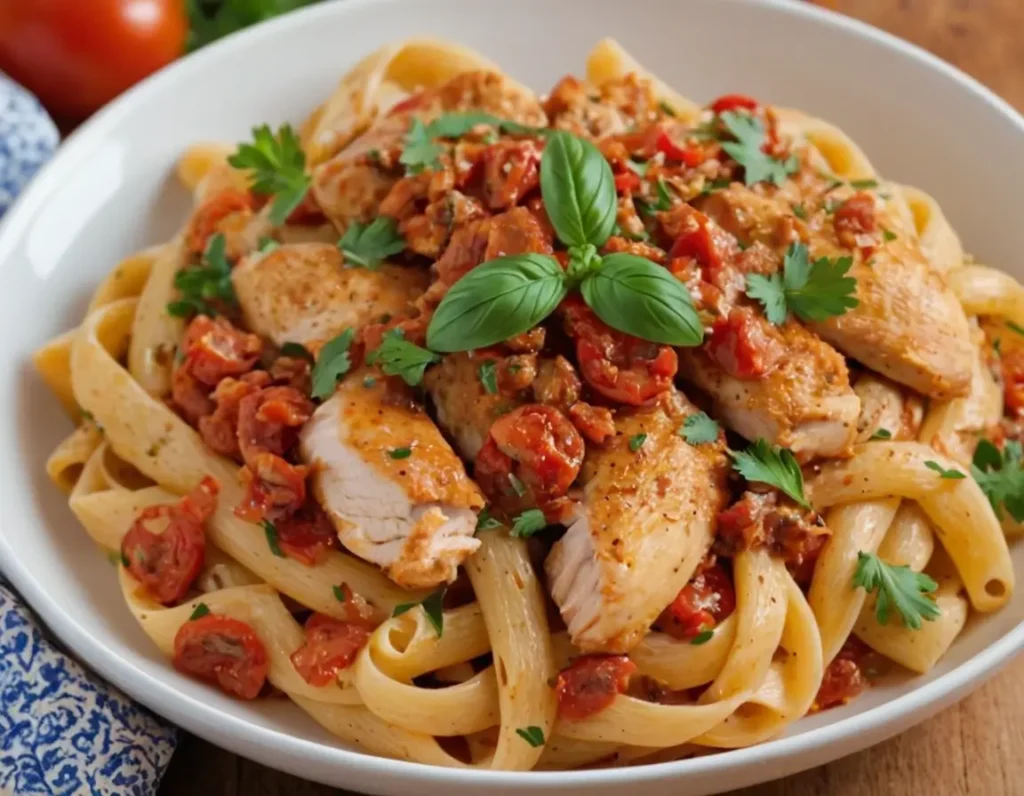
x=110 y=191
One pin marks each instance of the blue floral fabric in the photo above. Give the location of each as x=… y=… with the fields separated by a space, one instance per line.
x=28 y=138
x=63 y=731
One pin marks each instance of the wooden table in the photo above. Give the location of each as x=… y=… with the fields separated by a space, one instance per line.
x=973 y=749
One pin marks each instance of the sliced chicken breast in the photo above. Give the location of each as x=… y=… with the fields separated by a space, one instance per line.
x=908 y=325
x=301 y=293
x=804 y=403
x=396 y=492
x=646 y=520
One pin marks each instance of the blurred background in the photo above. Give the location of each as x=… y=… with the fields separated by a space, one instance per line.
x=77 y=55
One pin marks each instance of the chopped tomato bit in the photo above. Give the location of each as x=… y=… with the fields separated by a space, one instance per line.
x=223 y=651
x=739 y=344
x=214 y=348
x=596 y=423
x=330 y=646
x=209 y=216
x=167 y=563
x=844 y=677
x=691 y=156
x=627 y=182
x=1012 y=362
x=511 y=171
x=623 y=368
x=308 y=535
x=733 y=102
x=855 y=221
x=274 y=488
x=701 y=604
x=590 y=684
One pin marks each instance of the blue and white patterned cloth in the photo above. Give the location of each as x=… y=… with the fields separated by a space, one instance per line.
x=63 y=731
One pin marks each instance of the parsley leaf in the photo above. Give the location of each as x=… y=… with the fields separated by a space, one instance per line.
x=488 y=376
x=368 y=245
x=271 y=533
x=485 y=522
x=296 y=351
x=636 y=442
x=702 y=638
x=699 y=428
x=862 y=184
x=800 y=211
x=1016 y=327
x=278 y=167
x=332 y=363
x=888 y=234
x=528 y=523
x=532 y=735
x=1000 y=474
x=638 y=167
x=882 y=433
x=746 y=150
x=201 y=610
x=201 y=284
x=419 y=151
x=813 y=292
x=898 y=587
x=339 y=593
x=769 y=464
x=398 y=357
x=400 y=453
x=954 y=475
x=433 y=607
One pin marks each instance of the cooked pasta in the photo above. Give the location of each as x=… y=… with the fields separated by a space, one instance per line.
x=514 y=432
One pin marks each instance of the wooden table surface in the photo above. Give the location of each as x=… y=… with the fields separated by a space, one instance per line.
x=973 y=749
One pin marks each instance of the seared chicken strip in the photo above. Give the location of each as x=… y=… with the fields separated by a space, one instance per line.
x=908 y=325
x=301 y=293
x=396 y=492
x=645 y=522
x=351 y=185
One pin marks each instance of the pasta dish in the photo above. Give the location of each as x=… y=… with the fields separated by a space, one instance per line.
x=521 y=432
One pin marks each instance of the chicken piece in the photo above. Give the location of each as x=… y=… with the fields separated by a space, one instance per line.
x=804 y=402
x=465 y=410
x=396 y=492
x=614 y=108
x=908 y=326
x=645 y=522
x=351 y=185
x=300 y=293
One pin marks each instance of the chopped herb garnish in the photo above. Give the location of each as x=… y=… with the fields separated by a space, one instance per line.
x=768 y=464
x=398 y=357
x=863 y=184
x=368 y=245
x=267 y=245
x=203 y=283
x=667 y=109
x=433 y=607
x=882 y=433
x=636 y=442
x=332 y=363
x=369 y=382
x=400 y=453
x=418 y=151
x=486 y=522
x=813 y=292
x=528 y=523
x=1016 y=328
x=953 y=475
x=699 y=428
x=898 y=587
x=800 y=211
x=888 y=234
x=1000 y=474
x=748 y=150
x=339 y=593
x=639 y=167
x=488 y=376
x=278 y=167
x=296 y=351
x=702 y=638
x=271 y=532
x=201 y=610
x=532 y=735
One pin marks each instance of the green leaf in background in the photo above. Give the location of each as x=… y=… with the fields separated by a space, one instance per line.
x=210 y=20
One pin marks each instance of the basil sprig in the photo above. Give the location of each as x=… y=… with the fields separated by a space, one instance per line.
x=510 y=295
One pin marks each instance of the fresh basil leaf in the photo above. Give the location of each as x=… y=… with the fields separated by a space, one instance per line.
x=637 y=297
x=578 y=189
x=496 y=301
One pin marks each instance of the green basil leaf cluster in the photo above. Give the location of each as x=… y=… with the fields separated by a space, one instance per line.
x=510 y=295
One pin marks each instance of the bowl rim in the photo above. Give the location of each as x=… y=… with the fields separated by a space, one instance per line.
x=249 y=739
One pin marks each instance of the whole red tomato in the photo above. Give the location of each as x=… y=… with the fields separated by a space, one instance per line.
x=77 y=55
